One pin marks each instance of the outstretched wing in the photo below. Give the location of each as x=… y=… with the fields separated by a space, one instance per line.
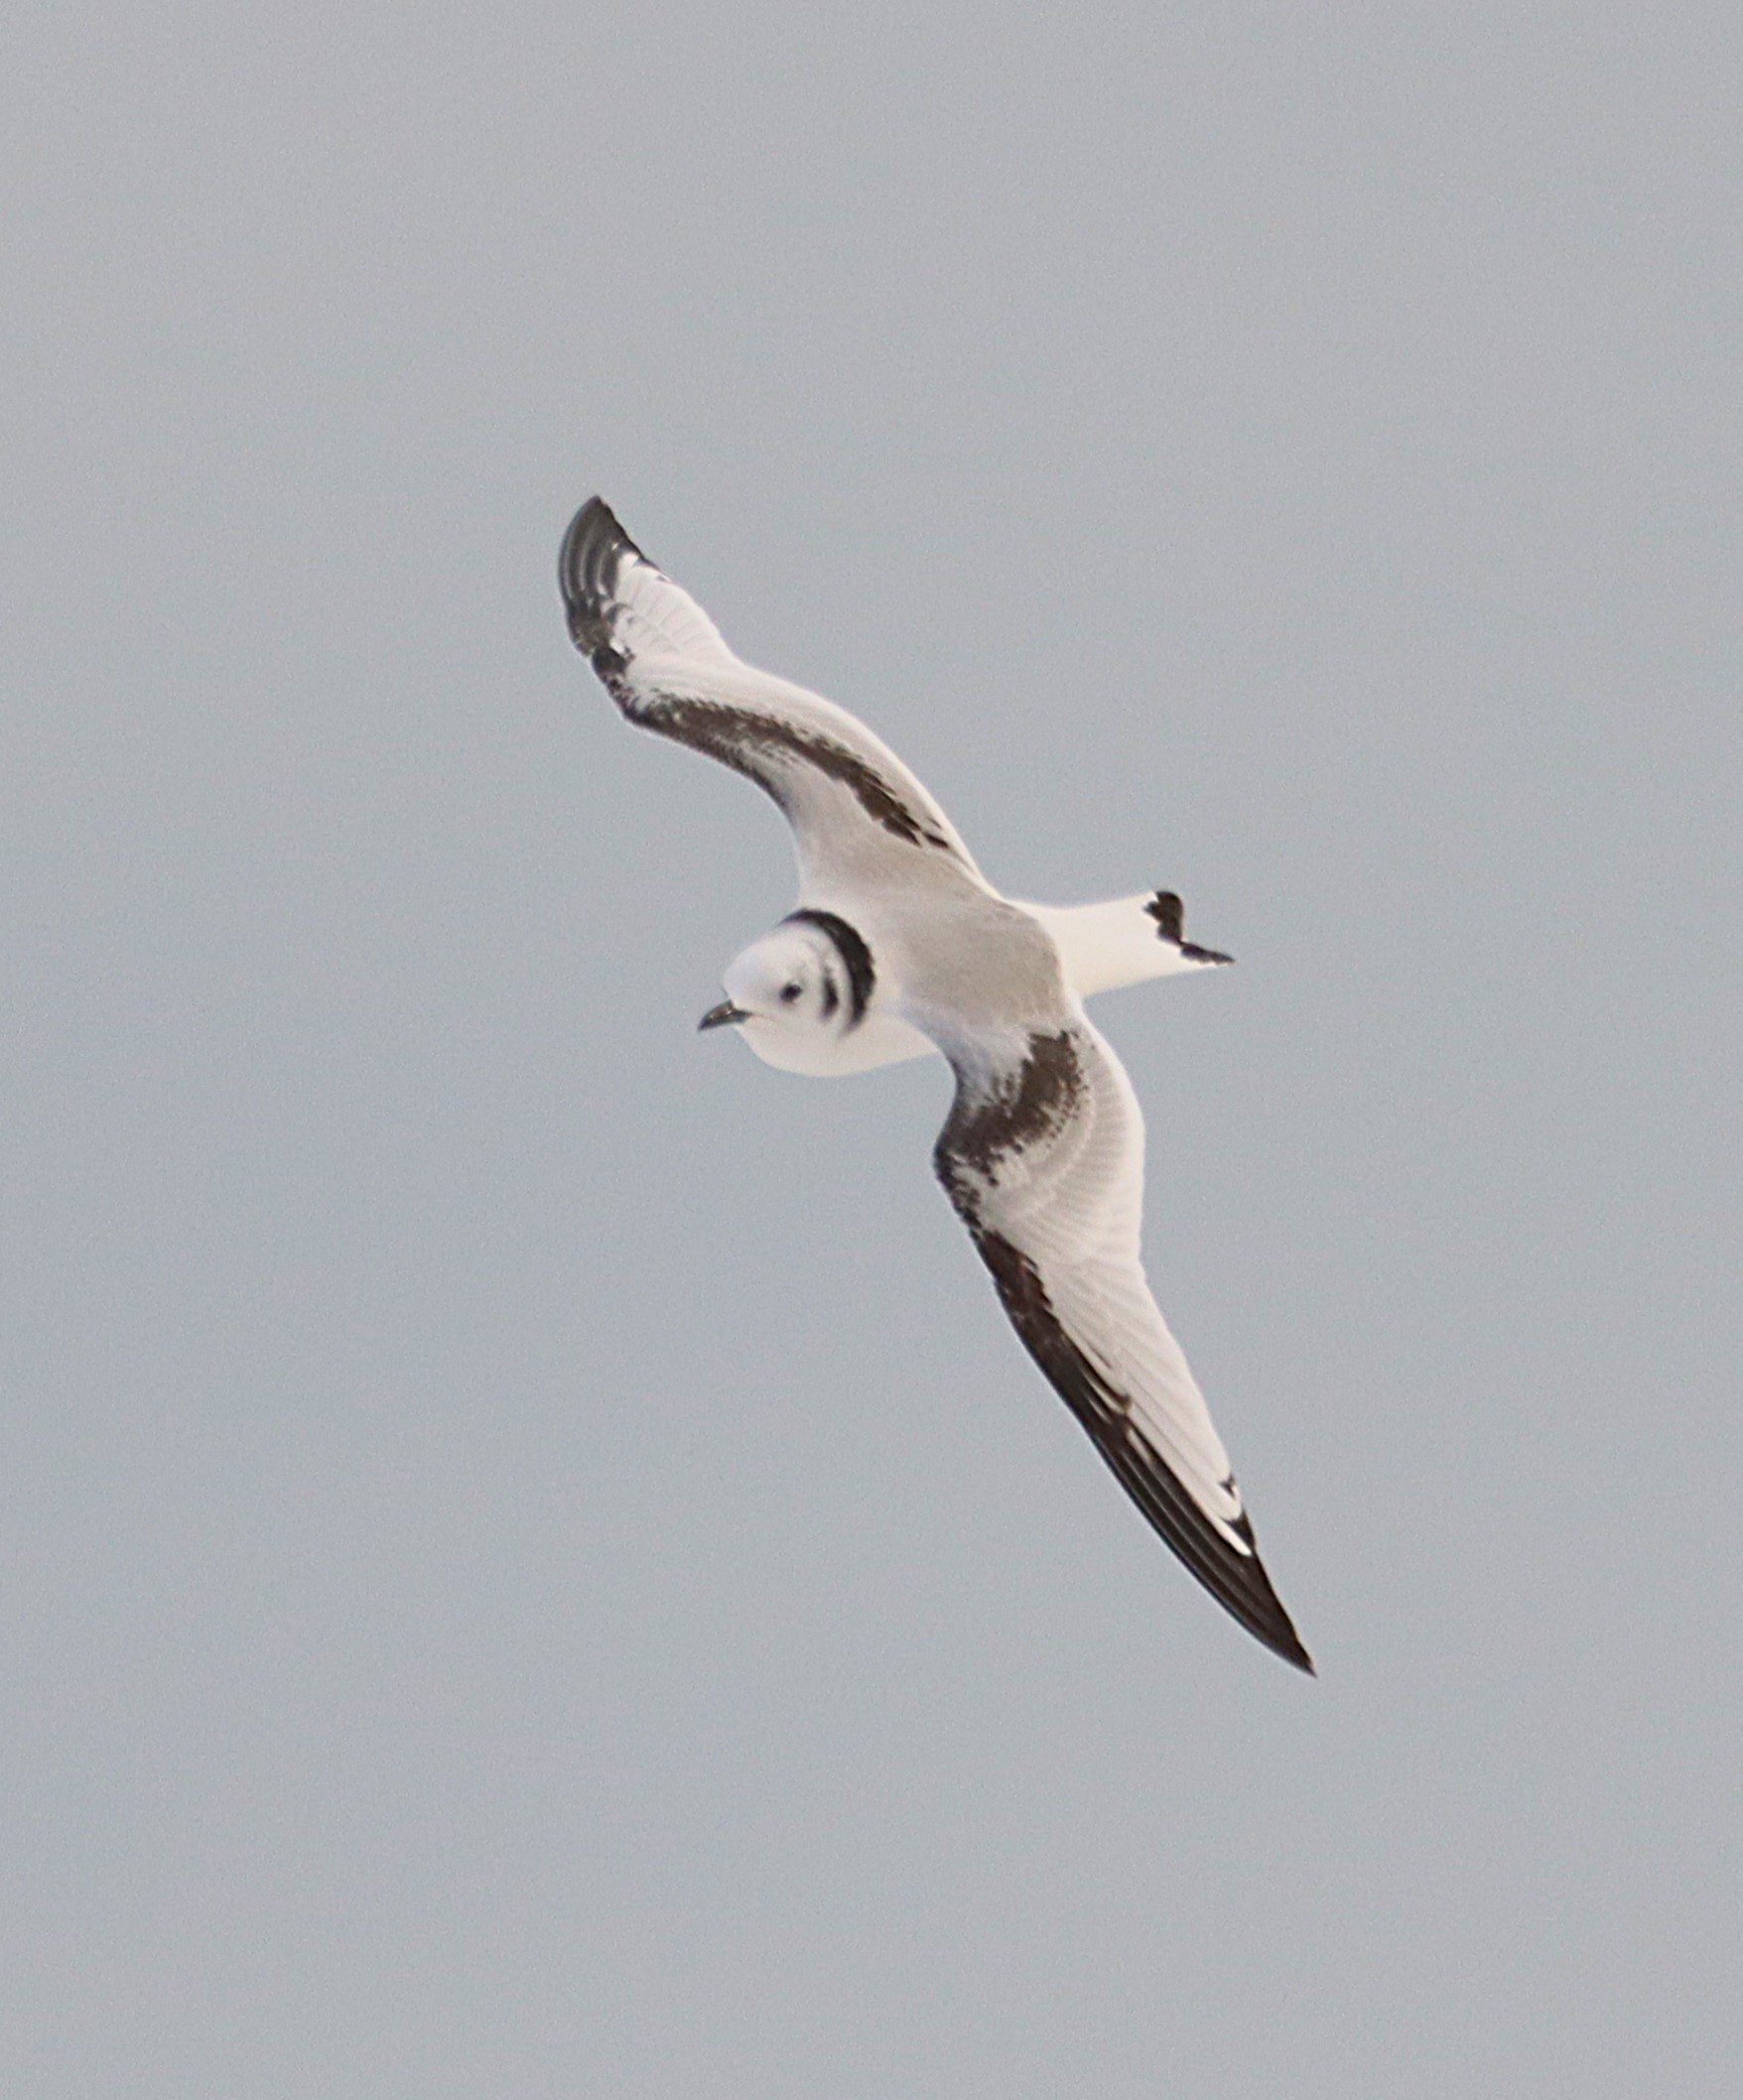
x=851 y=801
x=1043 y=1160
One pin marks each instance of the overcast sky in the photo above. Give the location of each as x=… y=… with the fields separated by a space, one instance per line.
x=530 y=1563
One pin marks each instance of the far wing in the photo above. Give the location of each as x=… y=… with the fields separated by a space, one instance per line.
x=852 y=805
x=1043 y=1160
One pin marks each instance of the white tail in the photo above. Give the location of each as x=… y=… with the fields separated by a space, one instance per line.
x=1125 y=942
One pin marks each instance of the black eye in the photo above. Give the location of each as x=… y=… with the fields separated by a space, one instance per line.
x=789 y=992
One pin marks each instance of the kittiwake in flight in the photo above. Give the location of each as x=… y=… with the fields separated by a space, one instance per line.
x=899 y=945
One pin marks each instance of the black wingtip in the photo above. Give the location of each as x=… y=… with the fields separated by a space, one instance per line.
x=1291 y=1650
x=1249 y=1596
x=593 y=549
x=1170 y=914
x=1246 y=1594
x=1255 y=1604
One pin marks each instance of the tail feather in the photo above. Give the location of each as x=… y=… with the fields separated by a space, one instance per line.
x=1125 y=942
x=1170 y=917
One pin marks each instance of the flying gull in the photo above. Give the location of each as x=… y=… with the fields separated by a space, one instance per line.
x=899 y=947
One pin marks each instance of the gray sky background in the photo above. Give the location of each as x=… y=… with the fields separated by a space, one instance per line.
x=532 y=1563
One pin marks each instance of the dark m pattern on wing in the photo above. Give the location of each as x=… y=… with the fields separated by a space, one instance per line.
x=757 y=746
x=754 y=744
x=989 y=1121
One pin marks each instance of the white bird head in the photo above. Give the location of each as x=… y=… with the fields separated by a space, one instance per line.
x=797 y=992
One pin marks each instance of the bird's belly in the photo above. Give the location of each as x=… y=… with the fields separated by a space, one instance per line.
x=880 y=1039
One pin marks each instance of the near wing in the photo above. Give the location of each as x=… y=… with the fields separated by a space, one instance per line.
x=851 y=801
x=1043 y=1160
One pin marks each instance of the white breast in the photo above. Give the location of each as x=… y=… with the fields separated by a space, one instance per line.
x=880 y=1039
